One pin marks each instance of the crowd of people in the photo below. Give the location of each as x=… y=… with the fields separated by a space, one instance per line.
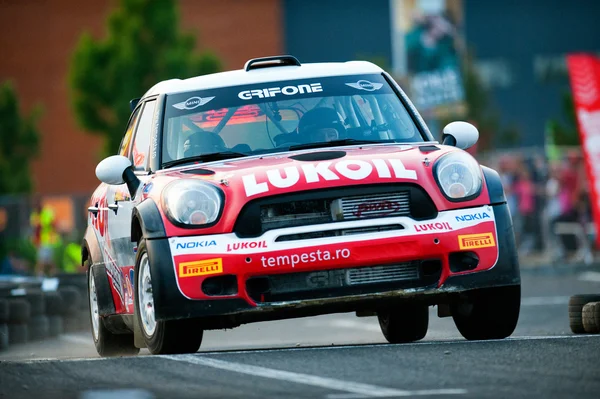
x=541 y=194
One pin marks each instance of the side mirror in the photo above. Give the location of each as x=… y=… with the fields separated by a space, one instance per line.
x=117 y=170
x=460 y=134
x=111 y=169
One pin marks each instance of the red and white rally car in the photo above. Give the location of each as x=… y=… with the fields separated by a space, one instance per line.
x=285 y=190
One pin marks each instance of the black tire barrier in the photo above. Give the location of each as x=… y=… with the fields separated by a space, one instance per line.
x=36 y=302
x=54 y=304
x=576 y=304
x=39 y=328
x=71 y=300
x=3 y=311
x=3 y=336
x=18 y=333
x=56 y=326
x=72 y=324
x=19 y=311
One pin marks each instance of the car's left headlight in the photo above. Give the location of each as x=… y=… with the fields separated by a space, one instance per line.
x=459 y=176
x=192 y=202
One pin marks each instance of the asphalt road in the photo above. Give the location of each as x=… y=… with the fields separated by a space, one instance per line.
x=334 y=357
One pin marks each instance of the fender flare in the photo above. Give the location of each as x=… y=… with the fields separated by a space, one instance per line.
x=494 y=186
x=147 y=221
x=90 y=248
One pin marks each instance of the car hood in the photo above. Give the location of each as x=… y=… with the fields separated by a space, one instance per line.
x=281 y=173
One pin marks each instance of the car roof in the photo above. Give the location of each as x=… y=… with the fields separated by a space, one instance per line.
x=265 y=74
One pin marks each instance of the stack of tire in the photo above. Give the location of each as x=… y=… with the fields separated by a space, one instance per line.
x=29 y=314
x=584 y=314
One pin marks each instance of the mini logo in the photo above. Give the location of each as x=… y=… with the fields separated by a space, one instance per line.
x=192 y=102
x=201 y=267
x=365 y=85
x=472 y=241
x=473 y=216
x=381 y=208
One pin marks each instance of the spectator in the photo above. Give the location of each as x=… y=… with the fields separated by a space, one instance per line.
x=524 y=190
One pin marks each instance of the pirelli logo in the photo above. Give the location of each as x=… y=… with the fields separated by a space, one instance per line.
x=201 y=267
x=472 y=241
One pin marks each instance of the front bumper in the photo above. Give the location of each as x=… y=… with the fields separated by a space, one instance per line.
x=179 y=268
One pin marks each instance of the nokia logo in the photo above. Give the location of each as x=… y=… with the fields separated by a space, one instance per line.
x=192 y=102
x=365 y=85
x=286 y=91
x=473 y=216
x=196 y=244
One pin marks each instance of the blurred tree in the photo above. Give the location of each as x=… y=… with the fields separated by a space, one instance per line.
x=564 y=133
x=143 y=46
x=19 y=142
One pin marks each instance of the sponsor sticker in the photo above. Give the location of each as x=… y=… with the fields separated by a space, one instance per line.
x=196 y=244
x=473 y=217
x=193 y=102
x=472 y=241
x=278 y=91
x=236 y=246
x=365 y=85
x=438 y=226
x=201 y=267
x=380 y=208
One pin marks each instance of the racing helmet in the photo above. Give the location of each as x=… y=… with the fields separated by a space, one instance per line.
x=202 y=142
x=318 y=119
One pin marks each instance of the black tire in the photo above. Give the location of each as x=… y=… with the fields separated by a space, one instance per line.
x=3 y=337
x=54 y=304
x=39 y=328
x=590 y=317
x=170 y=336
x=56 y=325
x=3 y=311
x=19 y=311
x=576 y=304
x=491 y=313
x=18 y=333
x=405 y=323
x=107 y=343
x=71 y=300
x=36 y=302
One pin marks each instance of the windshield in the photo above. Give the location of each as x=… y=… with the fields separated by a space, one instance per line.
x=279 y=116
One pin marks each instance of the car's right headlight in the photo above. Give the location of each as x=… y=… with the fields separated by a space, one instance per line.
x=192 y=202
x=459 y=176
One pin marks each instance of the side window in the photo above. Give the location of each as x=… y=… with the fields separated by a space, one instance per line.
x=141 y=143
x=126 y=142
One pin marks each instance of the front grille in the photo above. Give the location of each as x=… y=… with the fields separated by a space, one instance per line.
x=341 y=282
x=338 y=232
x=333 y=205
x=372 y=206
x=382 y=274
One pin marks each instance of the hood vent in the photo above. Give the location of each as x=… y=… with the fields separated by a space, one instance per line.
x=318 y=156
x=199 y=171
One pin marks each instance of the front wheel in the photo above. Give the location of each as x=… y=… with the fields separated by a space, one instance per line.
x=161 y=337
x=405 y=323
x=106 y=343
x=490 y=313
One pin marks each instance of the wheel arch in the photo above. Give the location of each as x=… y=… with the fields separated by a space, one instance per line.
x=147 y=221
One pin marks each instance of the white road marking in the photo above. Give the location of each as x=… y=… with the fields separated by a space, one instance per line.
x=545 y=300
x=77 y=339
x=366 y=390
x=590 y=276
x=345 y=323
x=116 y=394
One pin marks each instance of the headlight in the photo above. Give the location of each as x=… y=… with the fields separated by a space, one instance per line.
x=459 y=176
x=192 y=202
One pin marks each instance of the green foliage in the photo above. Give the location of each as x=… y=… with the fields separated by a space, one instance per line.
x=19 y=143
x=143 y=46
x=564 y=133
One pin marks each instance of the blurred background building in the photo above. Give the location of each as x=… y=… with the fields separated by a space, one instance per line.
x=499 y=64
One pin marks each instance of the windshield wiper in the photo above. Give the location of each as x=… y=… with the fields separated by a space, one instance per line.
x=214 y=156
x=335 y=143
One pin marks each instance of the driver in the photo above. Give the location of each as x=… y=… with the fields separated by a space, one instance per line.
x=320 y=125
x=202 y=142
